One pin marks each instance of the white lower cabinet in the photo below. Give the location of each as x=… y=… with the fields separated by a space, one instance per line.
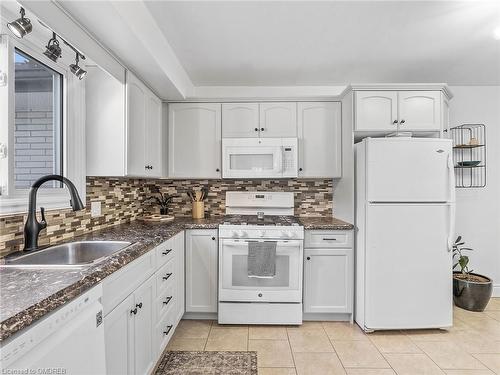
x=328 y=272
x=201 y=270
x=139 y=325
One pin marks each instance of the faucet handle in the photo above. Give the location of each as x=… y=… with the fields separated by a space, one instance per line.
x=43 y=222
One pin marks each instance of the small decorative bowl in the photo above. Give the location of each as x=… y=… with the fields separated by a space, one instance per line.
x=469 y=163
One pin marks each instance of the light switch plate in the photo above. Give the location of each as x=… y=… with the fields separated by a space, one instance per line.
x=95 y=209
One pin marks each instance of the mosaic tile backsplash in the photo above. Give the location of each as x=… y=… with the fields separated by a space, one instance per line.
x=123 y=199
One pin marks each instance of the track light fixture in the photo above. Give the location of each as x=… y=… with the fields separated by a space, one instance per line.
x=53 y=50
x=22 y=26
x=77 y=70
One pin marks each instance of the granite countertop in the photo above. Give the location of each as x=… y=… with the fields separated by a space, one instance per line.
x=325 y=223
x=27 y=294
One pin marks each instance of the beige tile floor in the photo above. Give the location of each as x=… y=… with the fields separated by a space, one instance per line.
x=471 y=347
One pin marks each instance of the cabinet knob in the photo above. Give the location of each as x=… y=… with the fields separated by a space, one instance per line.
x=213 y=238
x=217 y=170
x=139 y=305
x=308 y=258
x=300 y=169
x=256 y=129
x=402 y=122
x=134 y=311
x=395 y=122
x=261 y=129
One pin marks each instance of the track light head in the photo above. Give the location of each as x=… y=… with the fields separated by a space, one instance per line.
x=53 y=50
x=22 y=26
x=77 y=70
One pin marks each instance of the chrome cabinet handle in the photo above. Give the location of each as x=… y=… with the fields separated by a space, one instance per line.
x=167 y=276
x=166 y=252
x=134 y=311
x=139 y=305
x=395 y=122
x=402 y=122
x=329 y=239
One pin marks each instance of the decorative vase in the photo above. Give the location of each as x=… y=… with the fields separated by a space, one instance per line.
x=472 y=295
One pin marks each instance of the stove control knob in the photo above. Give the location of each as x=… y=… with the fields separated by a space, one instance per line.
x=241 y=233
x=285 y=234
x=234 y=234
x=262 y=233
x=291 y=234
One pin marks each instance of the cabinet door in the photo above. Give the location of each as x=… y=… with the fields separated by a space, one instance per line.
x=136 y=126
x=376 y=110
x=144 y=349
x=420 y=110
x=119 y=339
x=320 y=141
x=179 y=253
x=201 y=270
x=328 y=277
x=240 y=120
x=194 y=140
x=153 y=136
x=278 y=119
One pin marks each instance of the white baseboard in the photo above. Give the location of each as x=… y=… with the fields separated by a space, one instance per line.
x=496 y=290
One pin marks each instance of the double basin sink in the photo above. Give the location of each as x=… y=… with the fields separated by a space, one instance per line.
x=71 y=254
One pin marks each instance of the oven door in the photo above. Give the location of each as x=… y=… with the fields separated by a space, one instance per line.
x=236 y=286
x=252 y=158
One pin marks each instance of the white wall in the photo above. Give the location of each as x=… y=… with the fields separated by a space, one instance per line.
x=478 y=210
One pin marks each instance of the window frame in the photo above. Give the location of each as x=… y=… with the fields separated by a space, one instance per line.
x=14 y=200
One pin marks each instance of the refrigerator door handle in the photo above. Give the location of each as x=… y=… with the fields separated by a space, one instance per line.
x=451 y=174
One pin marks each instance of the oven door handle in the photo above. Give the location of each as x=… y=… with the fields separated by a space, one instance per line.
x=241 y=241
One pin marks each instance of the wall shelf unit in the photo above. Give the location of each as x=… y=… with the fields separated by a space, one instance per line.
x=469 y=155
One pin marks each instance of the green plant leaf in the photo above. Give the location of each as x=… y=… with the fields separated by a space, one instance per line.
x=459 y=238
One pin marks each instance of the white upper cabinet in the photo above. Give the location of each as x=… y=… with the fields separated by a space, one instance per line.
x=320 y=142
x=144 y=130
x=376 y=110
x=240 y=120
x=123 y=127
x=419 y=110
x=404 y=110
x=278 y=119
x=194 y=140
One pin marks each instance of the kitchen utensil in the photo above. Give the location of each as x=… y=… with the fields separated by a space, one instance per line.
x=198 y=195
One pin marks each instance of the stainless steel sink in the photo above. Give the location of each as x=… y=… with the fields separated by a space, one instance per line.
x=78 y=253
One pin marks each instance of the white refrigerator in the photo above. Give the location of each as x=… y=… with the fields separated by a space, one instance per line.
x=405 y=213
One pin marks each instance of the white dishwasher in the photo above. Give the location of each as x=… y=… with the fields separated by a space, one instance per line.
x=68 y=341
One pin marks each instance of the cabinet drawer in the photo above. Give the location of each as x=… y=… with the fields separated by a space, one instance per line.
x=165 y=301
x=164 y=252
x=122 y=283
x=165 y=277
x=326 y=239
x=164 y=330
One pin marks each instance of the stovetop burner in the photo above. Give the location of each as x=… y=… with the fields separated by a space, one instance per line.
x=254 y=220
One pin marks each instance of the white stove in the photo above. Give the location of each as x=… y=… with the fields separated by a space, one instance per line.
x=243 y=299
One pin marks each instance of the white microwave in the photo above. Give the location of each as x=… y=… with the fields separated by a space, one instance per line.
x=259 y=157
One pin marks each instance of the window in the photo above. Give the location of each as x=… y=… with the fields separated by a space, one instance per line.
x=38 y=139
x=42 y=125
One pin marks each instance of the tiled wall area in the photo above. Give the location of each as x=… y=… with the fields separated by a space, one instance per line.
x=123 y=199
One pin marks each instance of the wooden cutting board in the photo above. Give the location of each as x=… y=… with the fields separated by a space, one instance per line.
x=156 y=218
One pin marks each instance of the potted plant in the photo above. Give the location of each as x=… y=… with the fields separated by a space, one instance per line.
x=471 y=291
x=163 y=200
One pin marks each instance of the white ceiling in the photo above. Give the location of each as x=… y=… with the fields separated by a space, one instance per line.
x=329 y=43
x=292 y=43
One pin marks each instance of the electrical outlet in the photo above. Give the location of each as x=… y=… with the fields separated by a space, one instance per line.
x=95 y=209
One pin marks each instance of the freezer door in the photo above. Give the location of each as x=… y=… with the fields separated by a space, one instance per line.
x=409 y=170
x=408 y=266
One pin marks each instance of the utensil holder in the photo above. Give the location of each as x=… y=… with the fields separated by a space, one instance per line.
x=198 y=210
